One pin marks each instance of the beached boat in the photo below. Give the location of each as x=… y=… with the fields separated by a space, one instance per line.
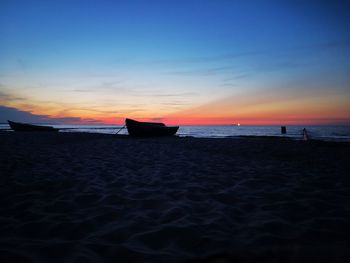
x=17 y=126
x=149 y=129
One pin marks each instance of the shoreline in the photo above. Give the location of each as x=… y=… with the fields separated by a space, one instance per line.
x=258 y=137
x=72 y=197
x=322 y=133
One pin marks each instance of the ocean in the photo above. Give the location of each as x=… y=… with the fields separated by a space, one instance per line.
x=326 y=133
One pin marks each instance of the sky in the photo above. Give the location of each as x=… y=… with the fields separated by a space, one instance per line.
x=181 y=62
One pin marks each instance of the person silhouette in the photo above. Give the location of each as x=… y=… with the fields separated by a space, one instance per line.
x=305 y=135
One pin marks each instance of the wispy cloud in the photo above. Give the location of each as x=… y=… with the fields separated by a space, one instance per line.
x=229 y=85
x=278 y=66
x=236 y=77
x=70 y=109
x=10 y=113
x=84 y=90
x=9 y=97
x=203 y=72
x=313 y=47
x=341 y=43
x=214 y=58
x=184 y=94
x=249 y=69
x=276 y=59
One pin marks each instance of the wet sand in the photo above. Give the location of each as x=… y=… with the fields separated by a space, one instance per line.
x=75 y=197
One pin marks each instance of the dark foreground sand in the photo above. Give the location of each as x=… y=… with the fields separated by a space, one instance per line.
x=72 y=197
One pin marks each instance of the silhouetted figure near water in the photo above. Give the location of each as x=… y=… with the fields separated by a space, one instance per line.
x=305 y=135
x=283 y=130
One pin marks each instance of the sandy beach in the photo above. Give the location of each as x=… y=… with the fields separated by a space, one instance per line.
x=75 y=197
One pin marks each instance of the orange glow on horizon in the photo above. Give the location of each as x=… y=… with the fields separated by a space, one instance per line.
x=233 y=121
x=283 y=117
x=267 y=107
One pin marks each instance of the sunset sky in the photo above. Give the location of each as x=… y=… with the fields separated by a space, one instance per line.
x=182 y=62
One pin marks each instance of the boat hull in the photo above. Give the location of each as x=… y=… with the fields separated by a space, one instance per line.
x=24 y=127
x=149 y=129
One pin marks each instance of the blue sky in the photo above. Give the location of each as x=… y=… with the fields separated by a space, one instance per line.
x=99 y=59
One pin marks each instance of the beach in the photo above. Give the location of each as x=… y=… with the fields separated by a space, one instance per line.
x=80 y=197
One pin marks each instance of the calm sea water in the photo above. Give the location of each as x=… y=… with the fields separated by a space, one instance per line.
x=334 y=133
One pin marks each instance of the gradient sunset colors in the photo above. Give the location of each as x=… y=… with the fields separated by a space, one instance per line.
x=182 y=62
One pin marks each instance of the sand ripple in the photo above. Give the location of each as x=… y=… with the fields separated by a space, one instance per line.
x=98 y=198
